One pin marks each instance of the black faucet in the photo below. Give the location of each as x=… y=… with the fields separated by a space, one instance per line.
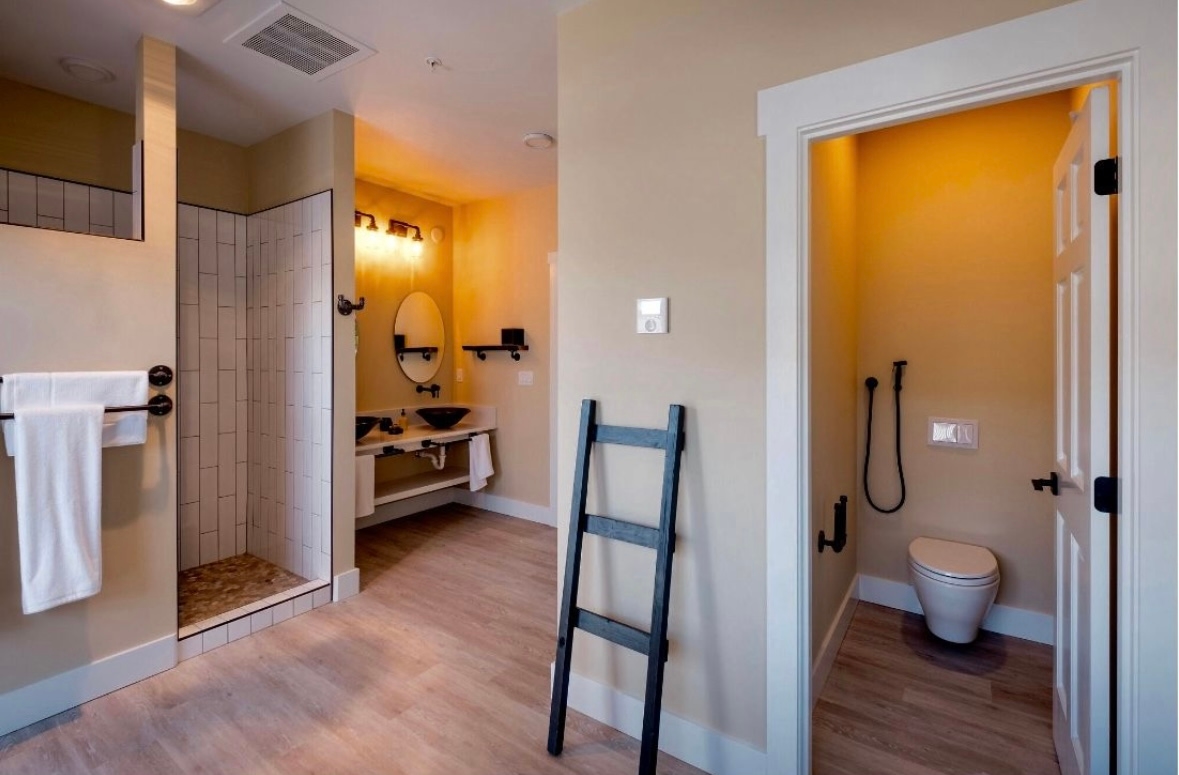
x=433 y=390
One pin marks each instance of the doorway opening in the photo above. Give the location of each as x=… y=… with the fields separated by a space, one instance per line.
x=938 y=243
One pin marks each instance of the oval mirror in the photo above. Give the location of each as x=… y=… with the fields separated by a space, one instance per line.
x=419 y=338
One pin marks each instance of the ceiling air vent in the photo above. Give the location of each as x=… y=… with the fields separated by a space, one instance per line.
x=286 y=34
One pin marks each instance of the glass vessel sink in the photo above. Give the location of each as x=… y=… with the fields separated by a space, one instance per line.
x=443 y=417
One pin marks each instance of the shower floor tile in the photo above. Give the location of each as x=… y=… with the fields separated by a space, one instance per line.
x=208 y=591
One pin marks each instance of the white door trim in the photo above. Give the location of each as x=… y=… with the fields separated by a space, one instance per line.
x=1066 y=46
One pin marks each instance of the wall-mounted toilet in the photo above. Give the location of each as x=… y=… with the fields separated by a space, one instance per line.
x=956 y=584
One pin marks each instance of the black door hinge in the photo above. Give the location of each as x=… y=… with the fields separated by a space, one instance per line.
x=1105 y=177
x=1105 y=494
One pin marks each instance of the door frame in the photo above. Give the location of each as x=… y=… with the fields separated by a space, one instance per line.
x=1068 y=46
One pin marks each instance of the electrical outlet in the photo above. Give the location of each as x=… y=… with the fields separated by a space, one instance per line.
x=524 y=377
x=458 y=375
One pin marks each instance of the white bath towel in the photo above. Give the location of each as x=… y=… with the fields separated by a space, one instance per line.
x=66 y=388
x=58 y=503
x=480 y=460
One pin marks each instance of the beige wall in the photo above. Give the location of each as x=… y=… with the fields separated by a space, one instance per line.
x=101 y=303
x=955 y=275
x=833 y=387
x=384 y=280
x=501 y=280
x=50 y=134
x=211 y=173
x=662 y=194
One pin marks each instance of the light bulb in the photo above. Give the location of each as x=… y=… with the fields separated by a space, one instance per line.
x=413 y=248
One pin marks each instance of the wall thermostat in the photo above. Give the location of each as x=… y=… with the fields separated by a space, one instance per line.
x=652 y=316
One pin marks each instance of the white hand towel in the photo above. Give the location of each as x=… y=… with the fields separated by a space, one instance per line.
x=111 y=388
x=58 y=503
x=480 y=460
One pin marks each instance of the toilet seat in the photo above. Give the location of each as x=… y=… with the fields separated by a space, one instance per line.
x=950 y=562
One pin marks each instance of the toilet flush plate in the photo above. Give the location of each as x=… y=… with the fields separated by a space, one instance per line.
x=952 y=432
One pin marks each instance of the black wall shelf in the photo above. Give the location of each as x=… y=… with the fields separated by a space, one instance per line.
x=426 y=352
x=481 y=350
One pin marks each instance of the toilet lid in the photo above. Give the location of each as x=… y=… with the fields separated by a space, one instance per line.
x=950 y=558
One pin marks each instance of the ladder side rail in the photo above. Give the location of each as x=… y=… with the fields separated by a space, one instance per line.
x=577 y=518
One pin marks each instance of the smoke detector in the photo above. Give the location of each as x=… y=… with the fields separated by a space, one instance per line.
x=299 y=41
x=85 y=70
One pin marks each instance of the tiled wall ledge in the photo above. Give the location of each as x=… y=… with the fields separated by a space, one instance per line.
x=205 y=636
x=62 y=205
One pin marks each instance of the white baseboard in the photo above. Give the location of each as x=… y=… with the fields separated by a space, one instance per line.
x=1005 y=620
x=345 y=585
x=59 y=693
x=512 y=508
x=825 y=659
x=687 y=741
x=480 y=500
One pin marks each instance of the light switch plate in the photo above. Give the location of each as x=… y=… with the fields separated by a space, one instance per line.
x=652 y=316
x=953 y=432
x=524 y=377
x=458 y=375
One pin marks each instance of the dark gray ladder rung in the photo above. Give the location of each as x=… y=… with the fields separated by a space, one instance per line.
x=613 y=631
x=631 y=437
x=620 y=530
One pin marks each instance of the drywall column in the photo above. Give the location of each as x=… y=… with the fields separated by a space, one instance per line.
x=312 y=157
x=80 y=302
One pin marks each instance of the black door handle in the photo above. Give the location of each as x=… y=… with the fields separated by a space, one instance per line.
x=1052 y=483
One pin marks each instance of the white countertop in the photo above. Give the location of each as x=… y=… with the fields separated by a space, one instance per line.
x=481 y=420
x=376 y=441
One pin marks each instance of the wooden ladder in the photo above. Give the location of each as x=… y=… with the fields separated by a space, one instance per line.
x=652 y=644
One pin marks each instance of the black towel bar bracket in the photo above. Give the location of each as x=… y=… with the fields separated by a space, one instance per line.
x=157 y=406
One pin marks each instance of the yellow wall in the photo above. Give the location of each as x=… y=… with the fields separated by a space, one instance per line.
x=955 y=275
x=384 y=280
x=49 y=134
x=833 y=392
x=101 y=303
x=501 y=280
x=662 y=194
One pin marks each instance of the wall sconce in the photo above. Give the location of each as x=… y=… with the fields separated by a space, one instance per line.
x=399 y=230
x=370 y=239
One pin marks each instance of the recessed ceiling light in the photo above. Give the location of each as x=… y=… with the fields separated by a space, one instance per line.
x=83 y=70
x=538 y=140
x=191 y=7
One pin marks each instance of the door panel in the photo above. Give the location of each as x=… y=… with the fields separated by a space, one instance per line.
x=1081 y=270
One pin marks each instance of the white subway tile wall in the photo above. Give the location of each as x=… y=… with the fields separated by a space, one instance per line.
x=49 y=203
x=255 y=319
x=212 y=414
x=288 y=460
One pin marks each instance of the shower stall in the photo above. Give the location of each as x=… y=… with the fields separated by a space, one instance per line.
x=255 y=382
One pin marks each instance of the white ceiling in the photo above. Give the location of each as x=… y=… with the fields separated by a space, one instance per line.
x=454 y=134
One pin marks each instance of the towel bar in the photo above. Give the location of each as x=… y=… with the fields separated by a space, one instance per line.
x=158 y=406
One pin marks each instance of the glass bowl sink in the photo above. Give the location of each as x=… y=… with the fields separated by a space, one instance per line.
x=443 y=417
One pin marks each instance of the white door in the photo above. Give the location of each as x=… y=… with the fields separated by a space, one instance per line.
x=1081 y=713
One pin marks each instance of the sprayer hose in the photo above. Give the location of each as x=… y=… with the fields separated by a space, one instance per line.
x=868 y=452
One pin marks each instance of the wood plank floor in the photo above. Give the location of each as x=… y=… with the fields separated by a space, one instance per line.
x=440 y=665
x=901 y=702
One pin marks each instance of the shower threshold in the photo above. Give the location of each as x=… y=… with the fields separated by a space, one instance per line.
x=217 y=593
